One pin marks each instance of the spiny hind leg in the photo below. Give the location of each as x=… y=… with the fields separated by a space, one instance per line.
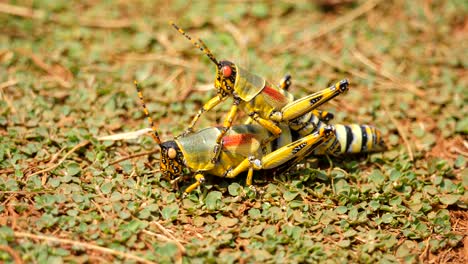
x=308 y=103
x=285 y=84
x=293 y=151
x=269 y=125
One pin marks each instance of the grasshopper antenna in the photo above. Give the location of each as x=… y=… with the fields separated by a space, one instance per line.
x=155 y=134
x=201 y=45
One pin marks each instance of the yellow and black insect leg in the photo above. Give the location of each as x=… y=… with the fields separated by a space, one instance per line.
x=206 y=107
x=306 y=104
x=293 y=151
x=269 y=125
x=324 y=116
x=285 y=83
x=200 y=179
x=226 y=126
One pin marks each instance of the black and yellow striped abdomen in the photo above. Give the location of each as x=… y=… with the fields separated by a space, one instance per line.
x=354 y=138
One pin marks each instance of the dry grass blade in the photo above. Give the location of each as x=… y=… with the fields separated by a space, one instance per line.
x=75 y=148
x=135 y=156
x=59 y=76
x=167 y=239
x=21 y=11
x=126 y=135
x=40 y=14
x=87 y=246
x=3 y=95
x=401 y=132
x=16 y=257
x=371 y=65
x=156 y=57
x=330 y=27
x=168 y=234
x=8 y=83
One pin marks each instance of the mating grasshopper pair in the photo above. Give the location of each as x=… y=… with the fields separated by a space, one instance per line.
x=244 y=148
x=281 y=130
x=267 y=104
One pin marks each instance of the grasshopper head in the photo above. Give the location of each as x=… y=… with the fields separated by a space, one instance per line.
x=226 y=72
x=172 y=160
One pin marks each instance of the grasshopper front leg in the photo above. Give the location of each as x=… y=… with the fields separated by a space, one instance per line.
x=293 y=151
x=206 y=107
x=200 y=179
x=226 y=126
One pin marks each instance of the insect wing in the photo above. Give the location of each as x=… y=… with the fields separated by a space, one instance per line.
x=248 y=85
x=275 y=97
x=243 y=144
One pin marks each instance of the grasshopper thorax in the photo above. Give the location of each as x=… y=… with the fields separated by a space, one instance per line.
x=226 y=73
x=172 y=160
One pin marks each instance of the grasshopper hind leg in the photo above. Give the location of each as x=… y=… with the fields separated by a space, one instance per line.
x=296 y=151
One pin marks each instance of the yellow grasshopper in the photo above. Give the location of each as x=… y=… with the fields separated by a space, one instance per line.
x=266 y=104
x=243 y=151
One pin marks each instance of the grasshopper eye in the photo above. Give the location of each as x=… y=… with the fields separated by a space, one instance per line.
x=226 y=70
x=171 y=153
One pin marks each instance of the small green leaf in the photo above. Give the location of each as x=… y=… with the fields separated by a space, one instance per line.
x=106 y=188
x=387 y=218
x=73 y=168
x=341 y=209
x=254 y=213
x=374 y=205
x=289 y=196
x=6 y=234
x=377 y=177
x=344 y=243
x=234 y=189
x=449 y=199
x=460 y=162
x=227 y=221
x=170 y=212
x=213 y=200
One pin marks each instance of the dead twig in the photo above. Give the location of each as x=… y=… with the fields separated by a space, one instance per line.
x=25 y=12
x=155 y=57
x=75 y=148
x=8 y=83
x=172 y=237
x=16 y=257
x=401 y=132
x=3 y=94
x=57 y=76
x=382 y=72
x=87 y=246
x=135 y=156
x=327 y=28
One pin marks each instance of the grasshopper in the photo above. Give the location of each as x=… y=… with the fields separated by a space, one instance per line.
x=243 y=151
x=266 y=104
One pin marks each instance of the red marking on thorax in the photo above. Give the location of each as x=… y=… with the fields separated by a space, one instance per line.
x=274 y=94
x=236 y=140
